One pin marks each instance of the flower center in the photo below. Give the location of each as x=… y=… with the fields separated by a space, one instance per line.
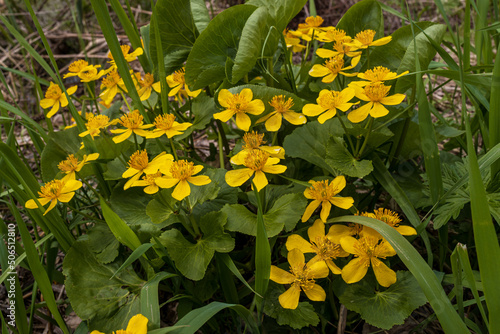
x=139 y=160
x=387 y=216
x=303 y=278
x=280 y=105
x=335 y=35
x=377 y=74
x=111 y=79
x=53 y=92
x=252 y=140
x=365 y=37
x=335 y=64
x=325 y=248
x=164 y=122
x=330 y=101
x=132 y=120
x=150 y=178
x=182 y=169
x=78 y=65
x=69 y=165
x=322 y=191
x=178 y=76
x=237 y=103
x=51 y=190
x=88 y=72
x=355 y=228
x=147 y=81
x=367 y=248
x=376 y=92
x=256 y=159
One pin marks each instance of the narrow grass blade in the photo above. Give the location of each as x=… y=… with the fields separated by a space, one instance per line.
x=226 y=281
x=122 y=232
x=430 y=285
x=134 y=256
x=25 y=118
x=197 y=318
x=37 y=269
x=456 y=267
x=161 y=64
x=25 y=75
x=494 y=111
x=150 y=306
x=226 y=259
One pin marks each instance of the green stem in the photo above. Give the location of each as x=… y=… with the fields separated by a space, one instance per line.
x=275 y=138
x=89 y=186
x=174 y=151
x=125 y=100
x=221 y=151
x=345 y=131
x=135 y=141
x=224 y=138
x=370 y=125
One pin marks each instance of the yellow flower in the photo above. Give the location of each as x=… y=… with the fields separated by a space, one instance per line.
x=328 y=103
x=364 y=39
x=323 y=192
x=149 y=181
x=338 y=231
x=332 y=34
x=75 y=68
x=255 y=141
x=312 y=25
x=368 y=250
x=181 y=173
x=139 y=164
x=177 y=83
x=239 y=104
x=126 y=53
x=256 y=162
x=133 y=122
x=138 y=324
x=166 y=125
x=71 y=165
x=109 y=86
x=55 y=97
x=95 y=123
x=332 y=67
x=341 y=47
x=145 y=84
x=90 y=73
x=389 y=217
x=281 y=109
x=376 y=96
x=377 y=75
x=301 y=277
x=53 y=191
x=323 y=245
x=292 y=42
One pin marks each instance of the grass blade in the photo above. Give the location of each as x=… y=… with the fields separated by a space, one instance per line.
x=134 y=256
x=150 y=306
x=231 y=266
x=494 y=111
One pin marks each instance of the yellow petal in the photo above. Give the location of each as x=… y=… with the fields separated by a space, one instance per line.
x=333 y=267
x=70 y=186
x=329 y=78
x=166 y=182
x=246 y=94
x=239 y=159
x=51 y=206
x=31 y=204
x=225 y=115
x=256 y=107
x=378 y=110
x=350 y=244
x=65 y=198
x=325 y=210
x=325 y=53
x=237 y=177
x=310 y=210
x=393 y=99
x=327 y=115
x=318 y=269
x=199 y=180
x=47 y=103
x=281 y=276
x=122 y=137
x=316 y=231
x=54 y=109
x=71 y=90
x=260 y=180
x=132 y=180
x=224 y=97
x=385 y=276
x=129 y=173
x=360 y=114
x=354 y=271
x=294 y=117
x=243 y=121
x=337 y=232
x=406 y=230
x=138 y=324
x=274 y=122
x=384 y=249
x=290 y=298
x=182 y=190
x=342 y=202
x=316 y=293
x=319 y=71
x=275 y=169
x=151 y=189
x=296 y=258
x=296 y=241
x=312 y=109
x=381 y=41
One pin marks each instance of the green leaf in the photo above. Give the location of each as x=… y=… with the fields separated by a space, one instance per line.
x=219 y=42
x=177 y=30
x=225 y=195
x=200 y=14
x=304 y=315
x=150 y=307
x=58 y=147
x=426 y=53
x=160 y=209
x=107 y=303
x=203 y=107
x=339 y=158
x=387 y=308
x=130 y=205
x=366 y=14
x=282 y=12
x=103 y=243
x=310 y=142
x=115 y=169
x=191 y=259
x=285 y=212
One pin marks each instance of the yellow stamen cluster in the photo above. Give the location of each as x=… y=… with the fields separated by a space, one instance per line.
x=150 y=178
x=322 y=191
x=256 y=160
x=377 y=91
x=238 y=103
x=125 y=50
x=53 y=92
x=147 y=81
x=164 y=122
x=132 y=120
x=303 y=278
x=389 y=217
x=367 y=248
x=111 y=79
x=280 y=105
x=253 y=140
x=69 y=165
x=139 y=160
x=331 y=100
x=51 y=190
x=325 y=248
x=335 y=64
x=379 y=73
x=78 y=65
x=96 y=123
x=365 y=36
x=178 y=76
x=182 y=169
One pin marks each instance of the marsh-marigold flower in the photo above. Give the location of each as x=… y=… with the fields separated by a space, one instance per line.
x=139 y=164
x=239 y=104
x=322 y=245
x=323 y=193
x=166 y=125
x=364 y=39
x=75 y=68
x=255 y=141
x=180 y=174
x=331 y=68
x=109 y=87
x=379 y=74
x=71 y=165
x=54 y=97
x=328 y=103
x=301 y=277
x=129 y=56
x=138 y=324
x=149 y=182
x=311 y=26
x=367 y=251
x=53 y=191
x=133 y=123
x=389 y=217
x=95 y=123
x=177 y=83
x=256 y=162
x=376 y=96
x=282 y=108
x=145 y=86
x=90 y=73
x=293 y=42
